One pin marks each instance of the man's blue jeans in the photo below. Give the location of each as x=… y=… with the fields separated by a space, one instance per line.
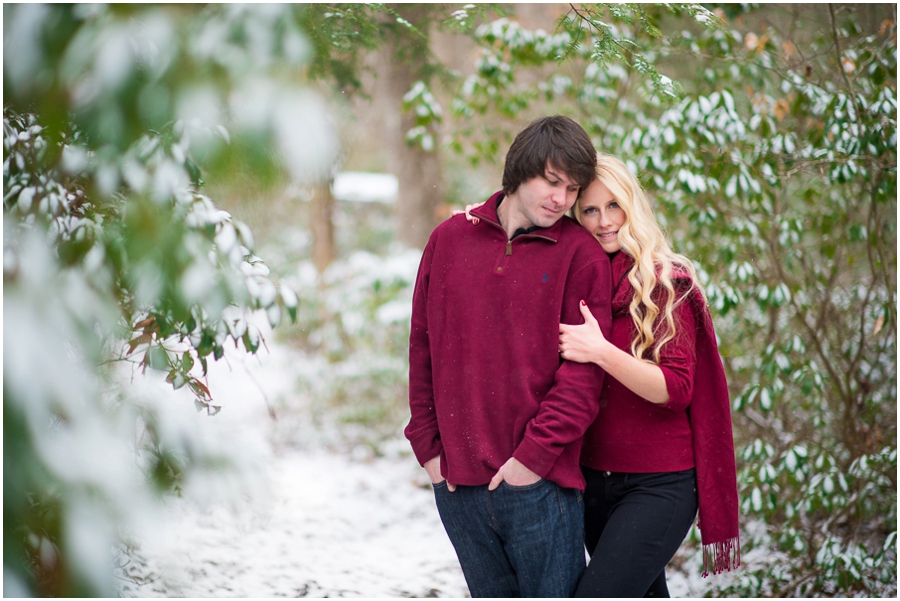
x=516 y=541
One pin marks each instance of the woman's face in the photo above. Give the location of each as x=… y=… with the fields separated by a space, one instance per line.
x=601 y=215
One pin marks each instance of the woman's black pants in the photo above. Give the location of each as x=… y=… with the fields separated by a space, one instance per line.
x=633 y=525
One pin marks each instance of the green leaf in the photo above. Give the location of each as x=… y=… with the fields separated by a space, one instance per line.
x=251 y=340
x=158 y=358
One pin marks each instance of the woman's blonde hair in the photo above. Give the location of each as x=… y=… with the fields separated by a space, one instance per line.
x=642 y=238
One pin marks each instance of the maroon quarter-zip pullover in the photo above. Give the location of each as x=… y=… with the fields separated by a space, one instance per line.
x=486 y=382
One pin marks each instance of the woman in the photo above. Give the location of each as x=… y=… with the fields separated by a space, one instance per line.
x=662 y=442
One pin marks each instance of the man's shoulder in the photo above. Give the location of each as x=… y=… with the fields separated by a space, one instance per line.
x=455 y=226
x=574 y=233
x=454 y=231
x=583 y=248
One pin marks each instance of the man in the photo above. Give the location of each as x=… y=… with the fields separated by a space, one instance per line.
x=496 y=416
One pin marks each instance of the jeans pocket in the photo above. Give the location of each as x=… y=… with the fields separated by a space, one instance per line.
x=439 y=485
x=537 y=484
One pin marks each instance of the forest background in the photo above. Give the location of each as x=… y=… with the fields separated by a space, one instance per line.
x=167 y=176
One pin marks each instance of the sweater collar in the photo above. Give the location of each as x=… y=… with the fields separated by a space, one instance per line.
x=488 y=212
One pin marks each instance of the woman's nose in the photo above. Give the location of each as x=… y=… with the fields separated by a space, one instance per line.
x=604 y=219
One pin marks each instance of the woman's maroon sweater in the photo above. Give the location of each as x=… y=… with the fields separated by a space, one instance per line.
x=486 y=382
x=631 y=434
x=693 y=429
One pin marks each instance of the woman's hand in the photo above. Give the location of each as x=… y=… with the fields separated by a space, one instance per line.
x=584 y=343
x=468 y=213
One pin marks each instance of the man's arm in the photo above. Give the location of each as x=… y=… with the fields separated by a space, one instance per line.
x=422 y=430
x=571 y=405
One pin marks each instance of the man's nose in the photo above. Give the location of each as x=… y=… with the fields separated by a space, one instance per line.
x=559 y=197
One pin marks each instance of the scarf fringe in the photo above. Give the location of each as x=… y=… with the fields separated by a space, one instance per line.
x=721 y=556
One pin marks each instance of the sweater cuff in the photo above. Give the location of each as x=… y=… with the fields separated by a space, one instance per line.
x=535 y=457
x=426 y=447
x=680 y=393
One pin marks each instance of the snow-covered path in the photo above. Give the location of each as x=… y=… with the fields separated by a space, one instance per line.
x=332 y=528
x=322 y=522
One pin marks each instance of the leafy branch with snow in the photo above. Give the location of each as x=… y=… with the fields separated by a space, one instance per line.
x=114 y=256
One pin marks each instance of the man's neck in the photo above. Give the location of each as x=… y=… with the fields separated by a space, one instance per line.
x=510 y=219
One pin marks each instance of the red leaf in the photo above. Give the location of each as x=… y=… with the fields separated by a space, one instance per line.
x=144 y=323
x=203 y=388
x=145 y=337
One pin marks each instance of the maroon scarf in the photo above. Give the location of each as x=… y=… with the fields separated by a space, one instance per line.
x=710 y=418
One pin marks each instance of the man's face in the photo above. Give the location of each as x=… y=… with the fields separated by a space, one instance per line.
x=544 y=199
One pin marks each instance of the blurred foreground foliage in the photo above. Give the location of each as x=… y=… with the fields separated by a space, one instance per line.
x=114 y=115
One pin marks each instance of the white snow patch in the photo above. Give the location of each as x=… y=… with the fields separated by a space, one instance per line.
x=331 y=527
x=326 y=524
x=358 y=186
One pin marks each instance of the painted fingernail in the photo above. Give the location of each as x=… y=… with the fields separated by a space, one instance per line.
x=583 y=304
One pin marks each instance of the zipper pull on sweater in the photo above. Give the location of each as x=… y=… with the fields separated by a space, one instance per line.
x=508 y=248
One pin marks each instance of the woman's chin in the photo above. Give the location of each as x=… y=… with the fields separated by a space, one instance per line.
x=610 y=246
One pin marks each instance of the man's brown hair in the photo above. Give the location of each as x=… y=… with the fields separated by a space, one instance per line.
x=558 y=141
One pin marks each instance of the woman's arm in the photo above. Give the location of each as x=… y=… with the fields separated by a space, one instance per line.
x=586 y=344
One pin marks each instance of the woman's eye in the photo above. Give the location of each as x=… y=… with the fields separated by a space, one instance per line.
x=613 y=205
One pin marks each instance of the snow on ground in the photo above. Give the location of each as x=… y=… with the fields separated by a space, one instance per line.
x=324 y=523
x=331 y=528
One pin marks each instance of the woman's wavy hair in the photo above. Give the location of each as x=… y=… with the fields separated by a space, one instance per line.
x=642 y=238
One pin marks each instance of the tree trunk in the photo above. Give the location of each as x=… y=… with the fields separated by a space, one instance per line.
x=322 y=226
x=421 y=193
